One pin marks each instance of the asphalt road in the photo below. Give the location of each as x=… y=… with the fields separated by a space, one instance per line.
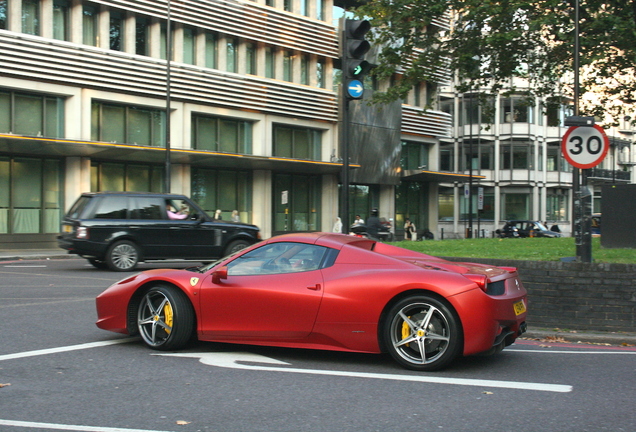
x=58 y=371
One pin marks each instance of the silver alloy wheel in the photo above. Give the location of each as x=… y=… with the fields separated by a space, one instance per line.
x=155 y=318
x=420 y=333
x=123 y=256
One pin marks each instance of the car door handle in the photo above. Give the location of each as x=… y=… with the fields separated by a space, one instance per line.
x=314 y=287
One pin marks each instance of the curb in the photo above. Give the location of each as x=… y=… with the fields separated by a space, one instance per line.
x=581 y=336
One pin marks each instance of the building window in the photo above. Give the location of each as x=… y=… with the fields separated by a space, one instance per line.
x=557 y=204
x=515 y=206
x=516 y=110
x=287 y=5
x=60 y=20
x=304 y=69
x=296 y=203
x=297 y=143
x=232 y=54
x=411 y=201
x=31 y=17
x=270 y=60
x=287 y=66
x=141 y=36
x=250 y=58
x=189 y=45
x=211 y=50
x=107 y=176
x=516 y=155
x=320 y=13
x=446 y=155
x=31 y=114
x=128 y=124
x=221 y=134
x=446 y=204
x=488 y=212
x=414 y=156
x=555 y=160
x=304 y=7
x=320 y=73
x=30 y=195
x=3 y=14
x=90 y=26
x=116 y=31
x=223 y=190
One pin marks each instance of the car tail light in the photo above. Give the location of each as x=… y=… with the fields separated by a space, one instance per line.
x=81 y=233
x=480 y=280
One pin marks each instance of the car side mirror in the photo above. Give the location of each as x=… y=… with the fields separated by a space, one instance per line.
x=219 y=274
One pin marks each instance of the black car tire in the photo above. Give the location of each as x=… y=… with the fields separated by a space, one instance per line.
x=122 y=256
x=423 y=333
x=165 y=318
x=236 y=246
x=99 y=264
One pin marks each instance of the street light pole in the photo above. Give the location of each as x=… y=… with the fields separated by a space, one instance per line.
x=168 y=107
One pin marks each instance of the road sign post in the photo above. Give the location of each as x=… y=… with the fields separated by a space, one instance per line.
x=584 y=147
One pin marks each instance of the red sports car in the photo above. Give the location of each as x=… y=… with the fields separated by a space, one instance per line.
x=325 y=291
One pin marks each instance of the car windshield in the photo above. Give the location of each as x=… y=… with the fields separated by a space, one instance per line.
x=541 y=226
x=207 y=267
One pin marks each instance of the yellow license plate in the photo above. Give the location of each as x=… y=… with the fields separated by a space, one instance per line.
x=519 y=307
x=67 y=228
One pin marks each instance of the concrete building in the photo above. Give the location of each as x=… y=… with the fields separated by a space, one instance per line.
x=516 y=147
x=253 y=115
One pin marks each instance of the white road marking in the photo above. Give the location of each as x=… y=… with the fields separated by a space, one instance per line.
x=65 y=427
x=231 y=359
x=23 y=266
x=570 y=352
x=65 y=349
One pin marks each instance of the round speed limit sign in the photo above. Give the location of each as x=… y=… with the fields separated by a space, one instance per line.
x=585 y=146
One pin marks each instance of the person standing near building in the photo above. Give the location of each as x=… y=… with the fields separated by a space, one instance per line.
x=410 y=231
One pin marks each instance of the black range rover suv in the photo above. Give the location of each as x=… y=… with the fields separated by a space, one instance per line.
x=117 y=230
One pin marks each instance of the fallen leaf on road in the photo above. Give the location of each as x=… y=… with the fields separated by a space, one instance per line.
x=5 y=385
x=183 y=422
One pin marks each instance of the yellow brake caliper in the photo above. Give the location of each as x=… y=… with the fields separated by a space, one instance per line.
x=167 y=312
x=406 y=330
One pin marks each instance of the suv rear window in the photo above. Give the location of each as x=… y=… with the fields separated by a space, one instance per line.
x=78 y=207
x=112 y=207
x=147 y=208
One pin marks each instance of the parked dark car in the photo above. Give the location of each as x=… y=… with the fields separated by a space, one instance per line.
x=117 y=230
x=526 y=228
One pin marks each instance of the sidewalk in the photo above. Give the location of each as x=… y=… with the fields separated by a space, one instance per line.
x=541 y=334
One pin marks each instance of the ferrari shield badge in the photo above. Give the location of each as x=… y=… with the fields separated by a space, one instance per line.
x=194 y=281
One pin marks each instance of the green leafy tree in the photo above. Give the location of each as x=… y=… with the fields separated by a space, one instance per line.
x=490 y=42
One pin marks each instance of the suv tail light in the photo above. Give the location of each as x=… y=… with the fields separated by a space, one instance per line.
x=81 y=233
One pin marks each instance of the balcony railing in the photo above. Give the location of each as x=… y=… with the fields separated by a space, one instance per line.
x=608 y=174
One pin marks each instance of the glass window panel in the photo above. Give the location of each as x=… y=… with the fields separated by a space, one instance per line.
x=246 y=138
x=139 y=126
x=141 y=36
x=158 y=118
x=89 y=25
x=228 y=184
x=137 y=178
x=113 y=124
x=111 y=177
x=205 y=133
x=269 y=62
x=54 y=126
x=4 y=194
x=203 y=189
x=3 y=14
x=116 y=31
x=302 y=144
x=163 y=44
x=282 y=142
x=304 y=70
x=210 y=50
x=189 y=45
x=231 y=55
x=28 y=115
x=60 y=19
x=51 y=193
x=250 y=58
x=156 y=178
x=27 y=183
x=31 y=17
x=5 y=112
x=320 y=73
x=228 y=136
x=515 y=206
x=287 y=66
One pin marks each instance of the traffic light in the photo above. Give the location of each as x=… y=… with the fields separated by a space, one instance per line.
x=354 y=48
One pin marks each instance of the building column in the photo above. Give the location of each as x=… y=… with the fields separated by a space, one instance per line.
x=262 y=201
x=77 y=179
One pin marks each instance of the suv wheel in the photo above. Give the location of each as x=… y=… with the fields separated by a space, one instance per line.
x=122 y=256
x=236 y=246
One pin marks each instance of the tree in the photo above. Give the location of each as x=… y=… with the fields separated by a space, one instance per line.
x=490 y=42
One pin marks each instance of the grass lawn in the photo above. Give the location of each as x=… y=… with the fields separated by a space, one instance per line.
x=536 y=249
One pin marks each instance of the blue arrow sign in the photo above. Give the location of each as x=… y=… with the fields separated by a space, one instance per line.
x=355 y=89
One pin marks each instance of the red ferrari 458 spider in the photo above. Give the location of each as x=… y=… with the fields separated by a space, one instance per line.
x=325 y=291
